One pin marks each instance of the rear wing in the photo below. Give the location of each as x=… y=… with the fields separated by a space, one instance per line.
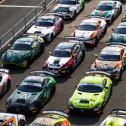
x=57 y=112
x=4 y=70
x=117 y=44
x=55 y=14
x=41 y=73
x=98 y=72
x=118 y=112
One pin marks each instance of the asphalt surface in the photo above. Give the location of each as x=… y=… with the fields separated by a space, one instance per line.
x=66 y=85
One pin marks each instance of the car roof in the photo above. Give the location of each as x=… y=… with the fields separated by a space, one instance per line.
x=91 y=79
x=112 y=49
x=65 y=45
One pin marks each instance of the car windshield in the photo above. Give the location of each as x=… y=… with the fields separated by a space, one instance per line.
x=104 y=7
x=120 y=30
x=90 y=88
x=109 y=57
x=21 y=46
x=30 y=86
x=87 y=27
x=70 y=2
x=44 y=22
x=62 y=9
x=61 y=53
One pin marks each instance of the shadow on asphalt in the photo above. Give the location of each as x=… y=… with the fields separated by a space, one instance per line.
x=84 y=118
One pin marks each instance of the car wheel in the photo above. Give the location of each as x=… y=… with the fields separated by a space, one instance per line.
x=105 y=30
x=42 y=47
x=83 y=55
x=120 y=10
x=50 y=38
x=53 y=91
x=8 y=84
x=112 y=20
x=62 y=26
x=75 y=14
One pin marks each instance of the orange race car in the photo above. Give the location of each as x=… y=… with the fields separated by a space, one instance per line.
x=112 y=60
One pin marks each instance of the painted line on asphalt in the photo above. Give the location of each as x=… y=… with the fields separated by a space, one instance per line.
x=2 y=1
x=18 y=6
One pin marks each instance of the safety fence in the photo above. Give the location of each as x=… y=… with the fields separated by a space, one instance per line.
x=21 y=26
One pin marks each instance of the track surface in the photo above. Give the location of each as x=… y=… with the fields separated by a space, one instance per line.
x=65 y=86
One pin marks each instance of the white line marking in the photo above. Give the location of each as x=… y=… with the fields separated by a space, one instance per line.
x=2 y=1
x=18 y=6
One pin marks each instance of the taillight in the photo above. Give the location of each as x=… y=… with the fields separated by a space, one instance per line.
x=68 y=64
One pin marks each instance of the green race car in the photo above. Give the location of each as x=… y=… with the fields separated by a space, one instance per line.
x=117 y=117
x=119 y=34
x=52 y=118
x=33 y=92
x=23 y=51
x=108 y=10
x=92 y=92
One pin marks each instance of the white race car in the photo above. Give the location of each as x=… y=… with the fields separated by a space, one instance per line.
x=91 y=30
x=47 y=26
x=117 y=117
x=75 y=5
x=7 y=119
x=64 y=58
x=5 y=81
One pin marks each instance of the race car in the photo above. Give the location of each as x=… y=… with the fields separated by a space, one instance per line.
x=119 y=34
x=91 y=93
x=117 y=117
x=112 y=59
x=91 y=30
x=5 y=81
x=23 y=51
x=8 y=119
x=52 y=118
x=33 y=92
x=66 y=12
x=123 y=19
x=48 y=26
x=75 y=5
x=108 y=9
x=64 y=58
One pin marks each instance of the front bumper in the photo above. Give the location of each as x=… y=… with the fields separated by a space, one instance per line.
x=84 y=109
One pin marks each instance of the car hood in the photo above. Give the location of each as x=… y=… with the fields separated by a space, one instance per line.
x=14 y=55
x=117 y=38
x=85 y=98
x=38 y=29
x=106 y=65
x=101 y=13
x=57 y=61
x=19 y=97
x=84 y=34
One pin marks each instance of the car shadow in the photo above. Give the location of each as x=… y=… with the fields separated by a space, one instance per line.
x=84 y=118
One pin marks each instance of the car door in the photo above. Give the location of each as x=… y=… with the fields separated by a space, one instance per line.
x=107 y=89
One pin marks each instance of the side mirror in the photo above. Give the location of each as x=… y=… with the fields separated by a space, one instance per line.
x=50 y=52
x=76 y=27
x=75 y=86
x=112 y=29
x=16 y=85
x=96 y=55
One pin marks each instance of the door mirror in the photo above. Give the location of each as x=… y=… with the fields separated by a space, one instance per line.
x=106 y=87
x=50 y=52
x=16 y=85
x=112 y=29
x=96 y=55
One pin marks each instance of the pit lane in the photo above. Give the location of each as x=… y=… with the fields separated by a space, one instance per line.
x=65 y=85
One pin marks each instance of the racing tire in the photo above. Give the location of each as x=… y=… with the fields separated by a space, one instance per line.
x=42 y=47
x=53 y=90
x=75 y=14
x=62 y=26
x=112 y=20
x=105 y=30
x=120 y=11
x=83 y=55
x=51 y=38
x=8 y=84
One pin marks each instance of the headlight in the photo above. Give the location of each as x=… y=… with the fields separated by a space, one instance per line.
x=108 y=16
x=97 y=107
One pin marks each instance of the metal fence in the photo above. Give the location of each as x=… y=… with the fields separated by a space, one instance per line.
x=23 y=24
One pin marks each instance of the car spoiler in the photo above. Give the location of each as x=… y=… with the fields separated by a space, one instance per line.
x=98 y=72
x=91 y=16
x=57 y=112
x=116 y=44
x=4 y=70
x=119 y=112
x=41 y=73
x=55 y=14
x=80 y=39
